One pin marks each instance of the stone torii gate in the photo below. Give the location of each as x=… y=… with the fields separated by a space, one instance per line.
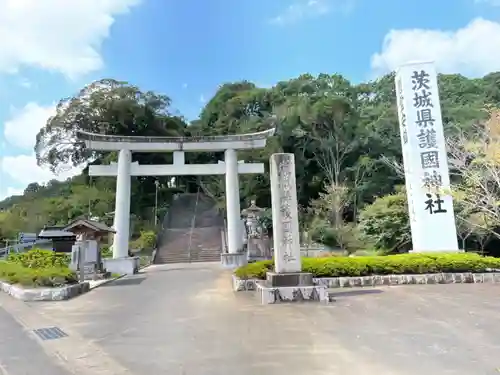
x=125 y=168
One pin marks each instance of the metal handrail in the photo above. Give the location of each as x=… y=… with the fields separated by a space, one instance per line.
x=4 y=252
x=193 y=223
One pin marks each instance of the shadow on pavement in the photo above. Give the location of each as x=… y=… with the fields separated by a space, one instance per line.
x=353 y=293
x=124 y=281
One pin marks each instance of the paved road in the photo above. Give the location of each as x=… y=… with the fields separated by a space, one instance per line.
x=20 y=354
x=186 y=320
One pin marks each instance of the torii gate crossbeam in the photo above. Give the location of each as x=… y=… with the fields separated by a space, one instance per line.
x=124 y=169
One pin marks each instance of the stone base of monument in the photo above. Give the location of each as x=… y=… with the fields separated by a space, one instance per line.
x=286 y=294
x=127 y=266
x=290 y=287
x=232 y=261
x=275 y=279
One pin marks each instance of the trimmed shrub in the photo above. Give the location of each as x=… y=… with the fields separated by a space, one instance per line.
x=37 y=268
x=15 y=273
x=147 y=240
x=255 y=270
x=106 y=252
x=385 y=223
x=37 y=258
x=381 y=265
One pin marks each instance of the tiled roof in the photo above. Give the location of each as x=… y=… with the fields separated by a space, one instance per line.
x=95 y=225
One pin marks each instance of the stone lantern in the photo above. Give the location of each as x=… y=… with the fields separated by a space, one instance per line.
x=257 y=239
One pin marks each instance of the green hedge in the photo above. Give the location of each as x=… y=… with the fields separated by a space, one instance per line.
x=37 y=258
x=106 y=252
x=14 y=273
x=381 y=265
x=43 y=268
x=146 y=240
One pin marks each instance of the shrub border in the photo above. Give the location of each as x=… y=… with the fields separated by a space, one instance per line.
x=242 y=285
x=44 y=294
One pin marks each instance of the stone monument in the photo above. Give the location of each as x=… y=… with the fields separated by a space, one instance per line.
x=86 y=254
x=287 y=283
x=430 y=203
x=256 y=237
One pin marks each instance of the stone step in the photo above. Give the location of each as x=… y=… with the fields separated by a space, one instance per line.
x=186 y=259
x=186 y=249
x=187 y=253
x=186 y=244
x=193 y=256
x=206 y=255
x=170 y=261
x=173 y=261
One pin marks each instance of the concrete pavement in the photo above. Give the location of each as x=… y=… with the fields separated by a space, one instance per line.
x=20 y=354
x=184 y=319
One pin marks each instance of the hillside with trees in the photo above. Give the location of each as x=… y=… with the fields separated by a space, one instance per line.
x=345 y=138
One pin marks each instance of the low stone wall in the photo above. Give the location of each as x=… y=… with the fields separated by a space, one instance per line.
x=44 y=294
x=244 y=285
x=240 y=285
x=128 y=265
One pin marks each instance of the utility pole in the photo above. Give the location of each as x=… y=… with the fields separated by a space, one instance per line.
x=157 y=185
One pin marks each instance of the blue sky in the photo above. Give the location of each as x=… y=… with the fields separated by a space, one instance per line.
x=186 y=48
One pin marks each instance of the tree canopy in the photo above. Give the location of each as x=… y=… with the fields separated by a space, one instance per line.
x=345 y=138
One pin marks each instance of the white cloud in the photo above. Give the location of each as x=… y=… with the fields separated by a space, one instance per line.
x=494 y=3
x=20 y=131
x=56 y=35
x=473 y=50
x=264 y=85
x=12 y=191
x=301 y=9
x=9 y=192
x=22 y=128
x=203 y=99
x=24 y=170
x=26 y=83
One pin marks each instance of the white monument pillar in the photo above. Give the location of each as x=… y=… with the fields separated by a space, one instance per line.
x=232 y=202
x=285 y=214
x=430 y=204
x=122 y=206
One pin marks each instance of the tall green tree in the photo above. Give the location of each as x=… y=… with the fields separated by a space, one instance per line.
x=106 y=107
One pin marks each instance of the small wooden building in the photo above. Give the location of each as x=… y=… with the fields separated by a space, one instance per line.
x=62 y=240
x=90 y=234
x=64 y=237
x=89 y=230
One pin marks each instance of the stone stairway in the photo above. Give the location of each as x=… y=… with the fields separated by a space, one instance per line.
x=192 y=231
x=184 y=246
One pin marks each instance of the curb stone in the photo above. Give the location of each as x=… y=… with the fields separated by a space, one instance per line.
x=242 y=285
x=107 y=281
x=44 y=294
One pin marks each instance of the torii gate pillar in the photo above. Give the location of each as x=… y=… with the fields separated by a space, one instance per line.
x=234 y=257
x=122 y=206
x=232 y=201
x=124 y=169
